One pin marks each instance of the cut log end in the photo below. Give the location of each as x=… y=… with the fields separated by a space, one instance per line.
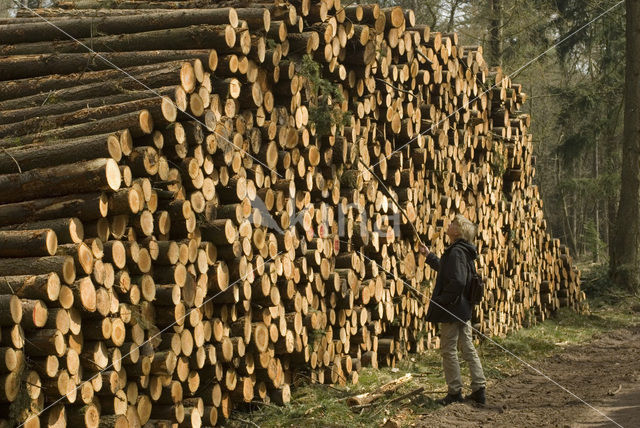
x=114 y=177
x=91 y=416
x=145 y=121
x=169 y=110
x=51 y=242
x=230 y=36
x=11 y=384
x=15 y=308
x=39 y=314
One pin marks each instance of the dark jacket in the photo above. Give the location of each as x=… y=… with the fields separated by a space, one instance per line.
x=448 y=302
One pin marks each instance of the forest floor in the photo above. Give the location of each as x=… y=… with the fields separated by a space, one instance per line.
x=595 y=356
x=603 y=377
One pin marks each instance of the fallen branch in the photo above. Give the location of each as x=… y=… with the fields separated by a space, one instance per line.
x=616 y=391
x=408 y=394
x=368 y=397
x=312 y=409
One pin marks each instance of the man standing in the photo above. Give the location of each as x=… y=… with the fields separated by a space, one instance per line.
x=450 y=307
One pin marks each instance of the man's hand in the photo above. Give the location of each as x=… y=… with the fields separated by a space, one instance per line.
x=424 y=250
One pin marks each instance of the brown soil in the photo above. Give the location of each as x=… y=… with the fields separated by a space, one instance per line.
x=604 y=373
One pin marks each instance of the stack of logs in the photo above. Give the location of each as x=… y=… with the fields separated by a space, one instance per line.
x=178 y=237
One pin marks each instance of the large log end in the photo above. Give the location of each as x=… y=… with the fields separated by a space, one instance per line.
x=114 y=177
x=146 y=121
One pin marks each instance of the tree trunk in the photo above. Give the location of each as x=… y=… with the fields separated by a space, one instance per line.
x=83 y=115
x=45 y=286
x=452 y=16
x=139 y=123
x=165 y=76
x=495 y=32
x=566 y=224
x=25 y=158
x=64 y=266
x=34 y=85
x=102 y=174
x=202 y=36
x=612 y=207
x=596 y=256
x=625 y=265
x=85 y=105
x=26 y=66
x=27 y=243
x=87 y=207
x=82 y=27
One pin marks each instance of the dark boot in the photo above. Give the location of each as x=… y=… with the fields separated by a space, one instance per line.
x=450 y=398
x=477 y=396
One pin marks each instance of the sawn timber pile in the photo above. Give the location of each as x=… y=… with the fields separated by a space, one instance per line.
x=184 y=234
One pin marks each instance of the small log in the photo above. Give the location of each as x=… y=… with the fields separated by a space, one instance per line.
x=67 y=230
x=25 y=66
x=34 y=314
x=368 y=397
x=196 y=36
x=98 y=174
x=10 y=387
x=88 y=206
x=26 y=243
x=63 y=266
x=79 y=27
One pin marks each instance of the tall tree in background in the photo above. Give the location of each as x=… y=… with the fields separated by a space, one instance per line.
x=495 y=32
x=625 y=266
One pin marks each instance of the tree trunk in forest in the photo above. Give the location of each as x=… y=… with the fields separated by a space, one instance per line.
x=625 y=265
x=495 y=32
x=596 y=255
x=566 y=224
x=612 y=207
x=5 y=5
x=452 y=16
x=569 y=228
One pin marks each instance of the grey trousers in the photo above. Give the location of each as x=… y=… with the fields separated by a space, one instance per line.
x=452 y=336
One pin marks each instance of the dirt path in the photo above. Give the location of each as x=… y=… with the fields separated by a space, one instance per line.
x=605 y=373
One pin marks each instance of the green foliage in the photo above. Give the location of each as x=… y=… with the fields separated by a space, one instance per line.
x=315 y=336
x=595 y=282
x=572 y=146
x=325 y=98
x=592 y=239
x=498 y=160
x=51 y=99
x=593 y=188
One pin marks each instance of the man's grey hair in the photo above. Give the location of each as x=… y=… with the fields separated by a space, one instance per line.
x=467 y=229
